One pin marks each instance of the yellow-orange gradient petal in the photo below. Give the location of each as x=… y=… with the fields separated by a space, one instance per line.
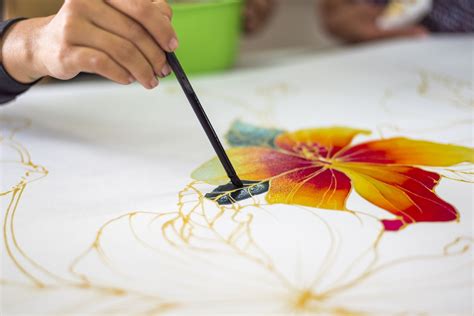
x=332 y=139
x=407 y=152
x=316 y=187
x=251 y=163
x=406 y=192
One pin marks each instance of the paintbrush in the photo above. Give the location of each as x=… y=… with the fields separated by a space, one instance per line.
x=203 y=119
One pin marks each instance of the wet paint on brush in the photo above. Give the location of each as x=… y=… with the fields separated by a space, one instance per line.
x=228 y=193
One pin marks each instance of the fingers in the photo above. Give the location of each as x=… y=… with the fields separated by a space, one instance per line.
x=127 y=28
x=164 y=8
x=155 y=17
x=125 y=53
x=356 y=22
x=90 y=60
x=373 y=32
x=411 y=31
x=122 y=40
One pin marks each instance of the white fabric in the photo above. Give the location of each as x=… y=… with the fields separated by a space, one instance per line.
x=111 y=150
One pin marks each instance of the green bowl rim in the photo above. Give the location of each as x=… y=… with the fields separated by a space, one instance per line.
x=207 y=4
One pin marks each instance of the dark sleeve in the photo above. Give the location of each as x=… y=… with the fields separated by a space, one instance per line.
x=9 y=87
x=451 y=16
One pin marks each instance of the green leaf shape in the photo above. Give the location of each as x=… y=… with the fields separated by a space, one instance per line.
x=242 y=134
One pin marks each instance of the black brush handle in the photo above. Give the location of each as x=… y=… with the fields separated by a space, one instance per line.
x=203 y=119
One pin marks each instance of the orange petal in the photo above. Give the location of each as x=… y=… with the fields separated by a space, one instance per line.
x=407 y=192
x=316 y=187
x=250 y=163
x=407 y=151
x=332 y=138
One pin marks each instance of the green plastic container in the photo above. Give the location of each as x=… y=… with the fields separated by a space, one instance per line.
x=208 y=33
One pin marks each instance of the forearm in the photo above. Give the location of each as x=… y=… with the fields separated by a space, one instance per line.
x=17 y=50
x=17 y=58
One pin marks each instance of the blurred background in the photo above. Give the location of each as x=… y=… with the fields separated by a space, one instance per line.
x=216 y=35
x=289 y=26
x=292 y=24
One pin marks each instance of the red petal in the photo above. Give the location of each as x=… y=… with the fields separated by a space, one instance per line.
x=406 y=192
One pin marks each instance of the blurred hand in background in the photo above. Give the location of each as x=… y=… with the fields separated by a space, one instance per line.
x=355 y=21
x=257 y=14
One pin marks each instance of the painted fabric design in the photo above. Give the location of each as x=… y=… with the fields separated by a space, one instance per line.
x=319 y=167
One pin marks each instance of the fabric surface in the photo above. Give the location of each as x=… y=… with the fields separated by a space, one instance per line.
x=101 y=215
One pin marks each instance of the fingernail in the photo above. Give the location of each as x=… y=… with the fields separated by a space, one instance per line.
x=173 y=44
x=154 y=83
x=131 y=79
x=166 y=70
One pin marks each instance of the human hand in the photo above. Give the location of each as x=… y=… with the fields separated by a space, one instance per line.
x=256 y=14
x=355 y=21
x=121 y=40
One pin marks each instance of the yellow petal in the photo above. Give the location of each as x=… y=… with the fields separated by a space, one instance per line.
x=407 y=152
x=332 y=139
x=250 y=163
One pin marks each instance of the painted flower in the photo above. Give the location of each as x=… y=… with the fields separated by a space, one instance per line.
x=319 y=167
